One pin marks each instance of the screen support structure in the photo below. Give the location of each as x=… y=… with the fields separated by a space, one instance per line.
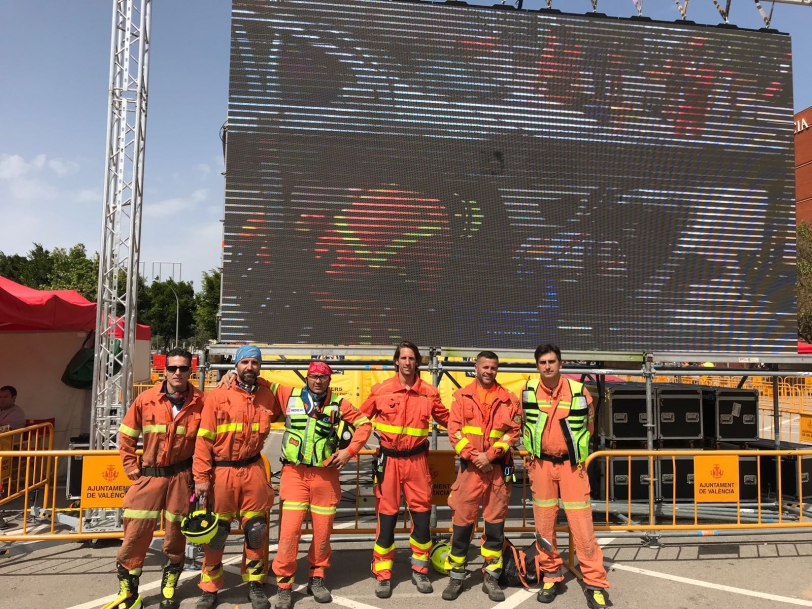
x=121 y=220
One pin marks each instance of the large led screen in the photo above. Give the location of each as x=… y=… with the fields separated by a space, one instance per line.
x=473 y=177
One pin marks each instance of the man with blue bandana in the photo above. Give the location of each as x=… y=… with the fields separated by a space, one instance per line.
x=230 y=476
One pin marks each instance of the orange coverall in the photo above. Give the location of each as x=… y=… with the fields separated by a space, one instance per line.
x=234 y=426
x=494 y=431
x=402 y=419
x=549 y=481
x=314 y=488
x=168 y=442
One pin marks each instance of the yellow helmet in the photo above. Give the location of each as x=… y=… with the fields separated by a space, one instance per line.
x=200 y=526
x=439 y=553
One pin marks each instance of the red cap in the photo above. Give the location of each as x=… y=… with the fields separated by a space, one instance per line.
x=320 y=368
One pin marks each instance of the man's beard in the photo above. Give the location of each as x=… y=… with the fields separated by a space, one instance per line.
x=248 y=378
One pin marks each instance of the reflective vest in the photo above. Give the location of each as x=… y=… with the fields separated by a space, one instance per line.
x=574 y=425
x=310 y=438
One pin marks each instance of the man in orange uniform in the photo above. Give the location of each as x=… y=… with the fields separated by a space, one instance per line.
x=228 y=467
x=168 y=416
x=402 y=407
x=310 y=475
x=558 y=422
x=485 y=423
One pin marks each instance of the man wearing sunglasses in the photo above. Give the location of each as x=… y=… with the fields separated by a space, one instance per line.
x=311 y=460
x=229 y=471
x=168 y=417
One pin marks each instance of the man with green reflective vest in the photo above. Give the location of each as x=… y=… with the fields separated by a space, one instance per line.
x=168 y=417
x=558 y=422
x=311 y=460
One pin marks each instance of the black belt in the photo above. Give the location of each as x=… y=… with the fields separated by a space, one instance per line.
x=169 y=470
x=556 y=459
x=241 y=463
x=388 y=452
x=287 y=462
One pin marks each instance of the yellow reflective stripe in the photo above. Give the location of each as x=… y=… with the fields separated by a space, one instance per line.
x=206 y=434
x=229 y=427
x=226 y=517
x=495 y=433
x=295 y=505
x=323 y=510
x=404 y=431
x=460 y=445
x=494 y=565
x=452 y=560
x=474 y=431
x=576 y=505
x=490 y=553
x=545 y=502
x=210 y=576
x=155 y=428
x=501 y=445
x=172 y=517
x=379 y=550
x=246 y=577
x=384 y=565
x=142 y=514
x=252 y=514
x=129 y=431
x=254 y=426
x=417 y=544
x=361 y=421
x=180 y=430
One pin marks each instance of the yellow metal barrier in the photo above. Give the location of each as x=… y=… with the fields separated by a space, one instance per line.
x=20 y=474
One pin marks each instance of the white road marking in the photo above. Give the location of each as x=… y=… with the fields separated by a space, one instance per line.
x=703 y=584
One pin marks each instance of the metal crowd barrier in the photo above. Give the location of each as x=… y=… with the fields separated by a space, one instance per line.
x=21 y=473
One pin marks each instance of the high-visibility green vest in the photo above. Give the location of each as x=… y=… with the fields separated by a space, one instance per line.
x=574 y=425
x=310 y=438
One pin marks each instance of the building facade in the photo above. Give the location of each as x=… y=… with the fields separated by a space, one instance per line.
x=803 y=166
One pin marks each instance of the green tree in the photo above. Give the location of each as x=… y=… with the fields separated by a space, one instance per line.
x=208 y=307
x=37 y=270
x=11 y=267
x=804 y=258
x=163 y=310
x=73 y=270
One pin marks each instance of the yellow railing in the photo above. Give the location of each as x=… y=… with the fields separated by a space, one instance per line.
x=21 y=474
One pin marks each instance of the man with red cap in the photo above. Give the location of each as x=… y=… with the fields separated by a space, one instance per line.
x=311 y=459
x=403 y=407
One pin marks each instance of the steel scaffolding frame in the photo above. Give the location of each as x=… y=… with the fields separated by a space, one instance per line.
x=121 y=221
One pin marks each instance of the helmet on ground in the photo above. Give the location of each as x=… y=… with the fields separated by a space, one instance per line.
x=200 y=526
x=439 y=553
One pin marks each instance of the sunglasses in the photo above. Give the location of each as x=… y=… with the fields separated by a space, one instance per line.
x=318 y=377
x=174 y=369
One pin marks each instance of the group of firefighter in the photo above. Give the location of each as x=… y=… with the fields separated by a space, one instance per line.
x=205 y=451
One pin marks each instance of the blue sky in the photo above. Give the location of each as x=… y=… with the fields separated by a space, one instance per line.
x=54 y=67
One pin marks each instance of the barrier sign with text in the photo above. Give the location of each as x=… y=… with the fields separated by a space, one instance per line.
x=806 y=428
x=103 y=482
x=716 y=479
x=443 y=474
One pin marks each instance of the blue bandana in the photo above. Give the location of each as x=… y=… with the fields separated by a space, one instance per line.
x=247 y=351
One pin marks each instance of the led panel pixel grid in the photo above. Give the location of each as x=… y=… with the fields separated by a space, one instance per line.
x=479 y=178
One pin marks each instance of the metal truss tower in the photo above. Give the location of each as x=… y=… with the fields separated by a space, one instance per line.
x=121 y=222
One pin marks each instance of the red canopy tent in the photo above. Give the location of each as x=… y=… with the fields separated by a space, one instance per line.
x=804 y=348
x=24 y=309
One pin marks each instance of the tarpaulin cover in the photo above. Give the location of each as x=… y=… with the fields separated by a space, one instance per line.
x=24 y=309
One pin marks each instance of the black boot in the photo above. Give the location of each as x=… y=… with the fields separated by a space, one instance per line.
x=421 y=580
x=169 y=584
x=548 y=592
x=128 y=597
x=453 y=589
x=207 y=600
x=596 y=599
x=283 y=598
x=490 y=586
x=257 y=596
x=319 y=591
